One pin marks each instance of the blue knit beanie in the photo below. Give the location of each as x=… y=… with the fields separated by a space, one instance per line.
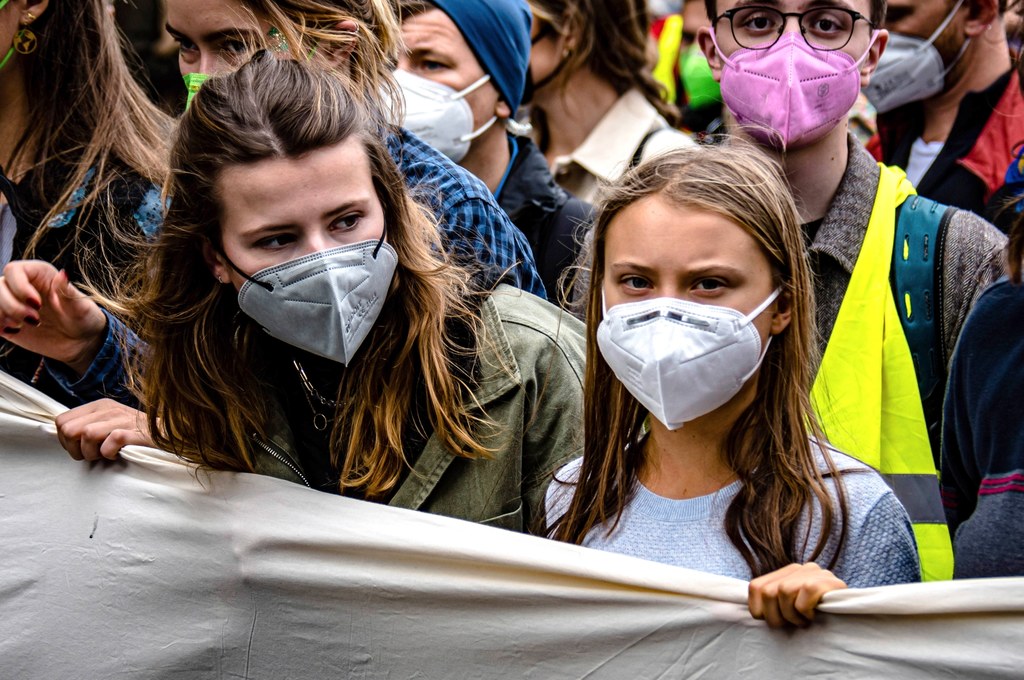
x=498 y=32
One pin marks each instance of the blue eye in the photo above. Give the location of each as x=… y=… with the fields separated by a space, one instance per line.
x=635 y=282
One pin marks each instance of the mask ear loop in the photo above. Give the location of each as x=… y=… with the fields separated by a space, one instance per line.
x=473 y=87
x=262 y=284
x=380 y=242
x=483 y=128
x=749 y=318
x=10 y=52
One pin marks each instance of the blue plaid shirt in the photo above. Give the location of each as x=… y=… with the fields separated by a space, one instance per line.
x=476 y=231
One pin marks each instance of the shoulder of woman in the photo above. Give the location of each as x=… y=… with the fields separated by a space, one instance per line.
x=527 y=318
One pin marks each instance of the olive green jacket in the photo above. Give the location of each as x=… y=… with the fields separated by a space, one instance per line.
x=531 y=390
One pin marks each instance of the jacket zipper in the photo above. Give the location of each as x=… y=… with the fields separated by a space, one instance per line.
x=281 y=457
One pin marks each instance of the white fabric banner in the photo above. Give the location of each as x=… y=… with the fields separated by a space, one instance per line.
x=146 y=568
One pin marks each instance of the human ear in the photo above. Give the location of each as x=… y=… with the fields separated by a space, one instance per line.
x=874 y=54
x=37 y=7
x=337 y=53
x=982 y=14
x=707 y=46
x=218 y=267
x=502 y=110
x=782 y=314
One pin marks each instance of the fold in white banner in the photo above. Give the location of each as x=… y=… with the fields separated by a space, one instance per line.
x=146 y=569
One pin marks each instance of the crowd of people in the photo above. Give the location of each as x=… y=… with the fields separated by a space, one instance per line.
x=400 y=250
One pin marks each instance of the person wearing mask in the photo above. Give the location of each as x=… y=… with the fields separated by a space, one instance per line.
x=81 y=153
x=594 y=104
x=950 y=107
x=360 y=42
x=462 y=75
x=353 y=355
x=702 y=450
x=789 y=76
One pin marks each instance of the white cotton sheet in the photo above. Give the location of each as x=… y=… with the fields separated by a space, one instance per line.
x=146 y=568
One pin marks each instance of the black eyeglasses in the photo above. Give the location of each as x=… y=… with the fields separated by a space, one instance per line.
x=824 y=28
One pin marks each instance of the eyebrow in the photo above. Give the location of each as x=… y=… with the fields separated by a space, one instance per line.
x=219 y=35
x=700 y=270
x=815 y=4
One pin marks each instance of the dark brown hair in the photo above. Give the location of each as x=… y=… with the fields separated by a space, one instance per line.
x=203 y=395
x=768 y=447
x=612 y=40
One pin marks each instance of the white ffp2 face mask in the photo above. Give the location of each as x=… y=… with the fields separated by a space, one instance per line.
x=680 y=359
x=325 y=303
x=911 y=69
x=439 y=115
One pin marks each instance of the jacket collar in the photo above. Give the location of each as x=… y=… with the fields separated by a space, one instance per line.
x=992 y=153
x=529 y=184
x=615 y=139
x=842 y=231
x=498 y=373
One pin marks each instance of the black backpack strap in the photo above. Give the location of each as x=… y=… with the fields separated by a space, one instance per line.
x=638 y=155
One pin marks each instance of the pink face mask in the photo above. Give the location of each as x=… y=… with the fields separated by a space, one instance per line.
x=791 y=94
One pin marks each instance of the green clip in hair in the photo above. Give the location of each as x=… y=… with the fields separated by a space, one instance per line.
x=277 y=40
x=193 y=81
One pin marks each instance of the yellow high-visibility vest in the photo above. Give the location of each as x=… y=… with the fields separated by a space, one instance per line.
x=866 y=394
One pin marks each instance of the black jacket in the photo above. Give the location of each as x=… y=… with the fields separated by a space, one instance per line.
x=552 y=219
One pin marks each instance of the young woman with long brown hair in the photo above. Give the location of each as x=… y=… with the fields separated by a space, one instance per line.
x=82 y=153
x=302 y=320
x=595 y=106
x=701 y=446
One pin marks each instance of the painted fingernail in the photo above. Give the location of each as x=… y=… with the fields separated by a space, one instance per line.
x=31 y=321
x=11 y=331
x=35 y=305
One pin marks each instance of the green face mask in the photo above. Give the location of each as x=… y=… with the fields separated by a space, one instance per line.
x=698 y=81
x=193 y=81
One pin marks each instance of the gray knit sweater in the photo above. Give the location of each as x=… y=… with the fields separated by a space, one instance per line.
x=879 y=547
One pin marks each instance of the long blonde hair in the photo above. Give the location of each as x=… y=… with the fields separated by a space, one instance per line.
x=202 y=393
x=768 y=447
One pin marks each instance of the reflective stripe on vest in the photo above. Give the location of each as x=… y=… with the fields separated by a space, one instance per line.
x=866 y=393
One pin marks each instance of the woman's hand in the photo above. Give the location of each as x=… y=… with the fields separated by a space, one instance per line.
x=789 y=595
x=101 y=429
x=42 y=312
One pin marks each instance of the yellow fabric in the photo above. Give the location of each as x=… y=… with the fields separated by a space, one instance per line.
x=669 y=44
x=866 y=394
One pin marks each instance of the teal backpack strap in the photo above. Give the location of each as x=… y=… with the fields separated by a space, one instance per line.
x=917 y=285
